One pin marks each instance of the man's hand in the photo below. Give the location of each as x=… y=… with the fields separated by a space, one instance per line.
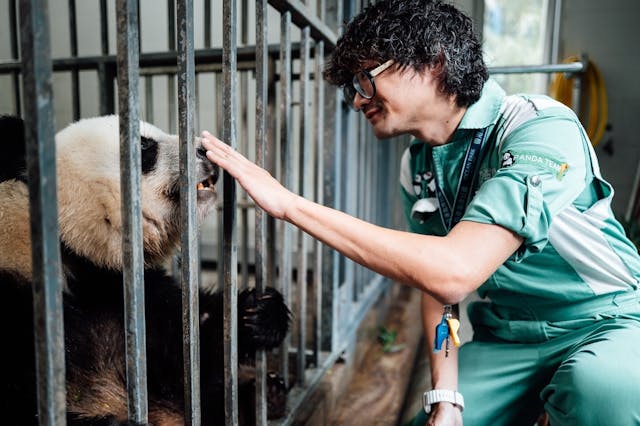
x=445 y=414
x=263 y=188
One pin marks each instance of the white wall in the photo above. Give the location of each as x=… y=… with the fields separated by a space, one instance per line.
x=609 y=33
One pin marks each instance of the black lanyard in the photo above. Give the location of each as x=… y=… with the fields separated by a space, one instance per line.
x=451 y=214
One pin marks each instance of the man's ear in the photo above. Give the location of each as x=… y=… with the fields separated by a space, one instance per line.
x=437 y=68
x=13 y=158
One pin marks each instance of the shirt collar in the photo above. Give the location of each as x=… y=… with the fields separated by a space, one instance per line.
x=485 y=110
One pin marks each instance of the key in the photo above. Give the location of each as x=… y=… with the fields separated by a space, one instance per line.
x=454 y=326
x=442 y=333
x=447 y=346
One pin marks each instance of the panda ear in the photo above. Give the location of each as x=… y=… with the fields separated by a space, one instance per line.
x=13 y=159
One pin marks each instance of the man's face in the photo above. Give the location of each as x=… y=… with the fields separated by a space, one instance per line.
x=405 y=101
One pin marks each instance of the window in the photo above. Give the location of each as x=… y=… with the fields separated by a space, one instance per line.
x=516 y=32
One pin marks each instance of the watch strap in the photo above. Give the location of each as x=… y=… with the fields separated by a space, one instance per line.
x=441 y=395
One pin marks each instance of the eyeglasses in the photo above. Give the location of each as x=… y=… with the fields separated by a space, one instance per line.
x=363 y=83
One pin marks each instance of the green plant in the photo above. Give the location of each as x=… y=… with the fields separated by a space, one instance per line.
x=387 y=339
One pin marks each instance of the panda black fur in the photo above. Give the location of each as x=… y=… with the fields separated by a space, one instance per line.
x=87 y=156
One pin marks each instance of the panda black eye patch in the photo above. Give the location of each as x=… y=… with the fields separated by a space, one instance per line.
x=149 y=151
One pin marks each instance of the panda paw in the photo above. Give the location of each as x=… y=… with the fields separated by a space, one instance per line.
x=263 y=321
x=276 y=396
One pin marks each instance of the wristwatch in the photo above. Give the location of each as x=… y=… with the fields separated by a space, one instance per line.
x=441 y=395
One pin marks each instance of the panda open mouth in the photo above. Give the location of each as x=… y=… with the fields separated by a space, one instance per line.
x=207 y=185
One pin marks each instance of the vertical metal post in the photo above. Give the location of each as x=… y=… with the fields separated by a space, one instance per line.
x=130 y=183
x=244 y=147
x=230 y=255
x=349 y=184
x=286 y=171
x=319 y=188
x=331 y=194
x=271 y=158
x=374 y=175
x=305 y=150
x=373 y=211
x=104 y=29
x=555 y=31
x=189 y=246
x=73 y=43
x=105 y=74
x=148 y=98
x=219 y=119
x=43 y=210
x=361 y=168
x=207 y=23
x=261 y=217
x=13 y=34
x=171 y=80
x=321 y=10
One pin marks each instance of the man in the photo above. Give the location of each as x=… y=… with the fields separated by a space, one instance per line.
x=503 y=195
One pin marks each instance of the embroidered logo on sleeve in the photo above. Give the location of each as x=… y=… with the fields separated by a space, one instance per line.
x=559 y=168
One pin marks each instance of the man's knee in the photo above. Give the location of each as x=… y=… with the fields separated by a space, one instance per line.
x=588 y=390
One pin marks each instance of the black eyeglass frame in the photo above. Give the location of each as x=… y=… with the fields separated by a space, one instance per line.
x=350 y=90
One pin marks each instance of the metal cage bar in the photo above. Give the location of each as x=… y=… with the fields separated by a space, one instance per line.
x=130 y=190
x=332 y=195
x=319 y=195
x=286 y=172
x=229 y=261
x=190 y=265
x=43 y=211
x=106 y=73
x=302 y=17
x=73 y=45
x=304 y=164
x=261 y=264
x=171 y=80
x=15 y=75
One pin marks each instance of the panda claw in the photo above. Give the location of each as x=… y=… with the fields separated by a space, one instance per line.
x=264 y=318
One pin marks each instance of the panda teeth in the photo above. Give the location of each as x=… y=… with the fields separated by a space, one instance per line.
x=207 y=184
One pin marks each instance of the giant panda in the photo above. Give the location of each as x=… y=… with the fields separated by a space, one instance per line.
x=88 y=190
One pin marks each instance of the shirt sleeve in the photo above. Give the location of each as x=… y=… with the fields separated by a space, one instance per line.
x=541 y=170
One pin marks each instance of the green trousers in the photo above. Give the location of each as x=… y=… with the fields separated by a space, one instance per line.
x=582 y=372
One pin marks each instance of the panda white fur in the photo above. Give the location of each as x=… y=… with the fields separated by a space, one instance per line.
x=88 y=185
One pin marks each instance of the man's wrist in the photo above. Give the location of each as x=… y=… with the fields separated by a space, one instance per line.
x=435 y=396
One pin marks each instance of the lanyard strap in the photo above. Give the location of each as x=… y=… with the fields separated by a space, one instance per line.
x=451 y=214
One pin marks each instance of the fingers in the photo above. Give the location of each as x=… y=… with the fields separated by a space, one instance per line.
x=210 y=139
x=215 y=146
x=219 y=152
x=226 y=157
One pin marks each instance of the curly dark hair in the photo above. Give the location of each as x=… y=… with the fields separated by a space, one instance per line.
x=418 y=34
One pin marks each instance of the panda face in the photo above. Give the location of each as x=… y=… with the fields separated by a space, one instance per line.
x=88 y=175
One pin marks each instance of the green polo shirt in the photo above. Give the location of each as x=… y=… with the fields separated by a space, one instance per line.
x=538 y=176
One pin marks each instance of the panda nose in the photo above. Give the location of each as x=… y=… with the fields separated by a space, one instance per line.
x=201 y=152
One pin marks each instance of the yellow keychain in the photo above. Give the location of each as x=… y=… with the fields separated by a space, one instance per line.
x=454 y=326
